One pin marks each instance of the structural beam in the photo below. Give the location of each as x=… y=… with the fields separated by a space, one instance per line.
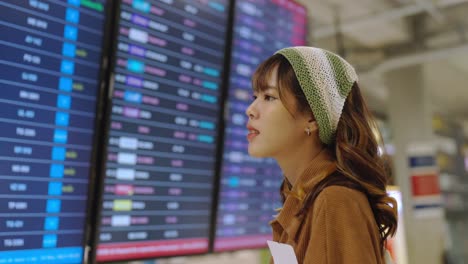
x=387 y=16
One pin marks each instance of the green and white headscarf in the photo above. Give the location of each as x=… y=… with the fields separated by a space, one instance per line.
x=326 y=80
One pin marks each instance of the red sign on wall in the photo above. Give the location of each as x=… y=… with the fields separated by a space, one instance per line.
x=427 y=184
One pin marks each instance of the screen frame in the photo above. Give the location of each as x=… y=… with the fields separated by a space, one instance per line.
x=101 y=144
x=106 y=121
x=87 y=228
x=96 y=154
x=222 y=124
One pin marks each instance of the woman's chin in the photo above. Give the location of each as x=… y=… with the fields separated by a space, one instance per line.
x=256 y=153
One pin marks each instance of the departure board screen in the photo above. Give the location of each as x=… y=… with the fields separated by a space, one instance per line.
x=158 y=187
x=50 y=55
x=249 y=187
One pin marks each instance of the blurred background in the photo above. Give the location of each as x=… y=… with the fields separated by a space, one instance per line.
x=122 y=129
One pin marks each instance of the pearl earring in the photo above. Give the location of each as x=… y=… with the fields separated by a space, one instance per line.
x=308 y=132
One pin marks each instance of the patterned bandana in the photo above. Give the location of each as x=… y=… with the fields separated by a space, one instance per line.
x=326 y=80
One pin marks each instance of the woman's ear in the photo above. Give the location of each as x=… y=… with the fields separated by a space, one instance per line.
x=312 y=125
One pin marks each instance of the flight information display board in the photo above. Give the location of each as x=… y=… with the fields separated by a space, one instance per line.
x=49 y=79
x=157 y=194
x=249 y=187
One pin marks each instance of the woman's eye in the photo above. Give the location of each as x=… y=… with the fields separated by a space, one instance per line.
x=269 y=98
x=254 y=97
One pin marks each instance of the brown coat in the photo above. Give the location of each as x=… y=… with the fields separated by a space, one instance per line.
x=338 y=228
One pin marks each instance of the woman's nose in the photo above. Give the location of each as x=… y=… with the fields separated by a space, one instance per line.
x=250 y=111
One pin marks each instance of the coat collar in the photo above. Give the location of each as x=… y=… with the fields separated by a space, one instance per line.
x=320 y=167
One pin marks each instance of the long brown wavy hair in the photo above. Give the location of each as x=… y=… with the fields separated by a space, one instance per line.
x=355 y=148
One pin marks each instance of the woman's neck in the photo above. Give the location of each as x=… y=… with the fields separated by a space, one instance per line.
x=295 y=162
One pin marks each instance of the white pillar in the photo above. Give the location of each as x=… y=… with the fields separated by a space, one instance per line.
x=410 y=117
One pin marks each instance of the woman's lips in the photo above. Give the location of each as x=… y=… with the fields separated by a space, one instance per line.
x=252 y=133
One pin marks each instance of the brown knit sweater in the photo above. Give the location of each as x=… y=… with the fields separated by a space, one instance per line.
x=338 y=228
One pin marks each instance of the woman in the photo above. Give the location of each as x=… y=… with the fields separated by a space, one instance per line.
x=309 y=115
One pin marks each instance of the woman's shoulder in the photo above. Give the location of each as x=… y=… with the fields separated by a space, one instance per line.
x=341 y=196
x=342 y=205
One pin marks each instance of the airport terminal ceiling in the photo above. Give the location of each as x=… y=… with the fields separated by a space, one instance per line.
x=379 y=36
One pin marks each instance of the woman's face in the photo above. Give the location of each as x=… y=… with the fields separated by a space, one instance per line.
x=273 y=130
